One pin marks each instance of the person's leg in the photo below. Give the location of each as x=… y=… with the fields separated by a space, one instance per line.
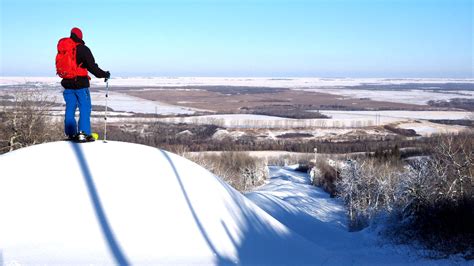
x=84 y=103
x=70 y=125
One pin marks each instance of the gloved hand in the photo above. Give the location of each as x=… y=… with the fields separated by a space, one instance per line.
x=107 y=76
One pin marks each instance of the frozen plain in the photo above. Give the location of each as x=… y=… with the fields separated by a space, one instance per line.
x=337 y=86
x=125 y=105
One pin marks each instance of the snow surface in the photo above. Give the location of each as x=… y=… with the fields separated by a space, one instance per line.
x=120 y=203
x=391 y=116
x=339 y=120
x=120 y=102
x=127 y=103
x=426 y=128
x=337 y=86
x=420 y=97
x=106 y=203
x=231 y=120
x=287 y=82
x=310 y=212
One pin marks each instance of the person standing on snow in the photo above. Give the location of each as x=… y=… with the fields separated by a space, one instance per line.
x=76 y=83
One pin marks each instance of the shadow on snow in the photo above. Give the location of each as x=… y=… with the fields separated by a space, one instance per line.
x=258 y=242
x=109 y=236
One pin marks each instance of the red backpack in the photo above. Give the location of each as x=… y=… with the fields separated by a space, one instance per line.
x=66 y=64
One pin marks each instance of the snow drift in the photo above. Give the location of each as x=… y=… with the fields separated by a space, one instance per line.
x=121 y=203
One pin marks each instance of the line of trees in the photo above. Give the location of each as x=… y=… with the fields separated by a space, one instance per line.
x=200 y=138
x=277 y=123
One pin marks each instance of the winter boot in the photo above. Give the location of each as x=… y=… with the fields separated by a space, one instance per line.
x=82 y=137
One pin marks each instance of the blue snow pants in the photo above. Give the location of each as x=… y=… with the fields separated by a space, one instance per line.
x=77 y=98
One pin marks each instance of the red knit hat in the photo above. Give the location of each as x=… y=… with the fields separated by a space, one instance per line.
x=78 y=32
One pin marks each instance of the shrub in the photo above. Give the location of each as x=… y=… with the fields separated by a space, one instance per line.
x=437 y=197
x=401 y=131
x=238 y=169
x=368 y=188
x=26 y=121
x=430 y=198
x=303 y=161
x=295 y=135
x=324 y=175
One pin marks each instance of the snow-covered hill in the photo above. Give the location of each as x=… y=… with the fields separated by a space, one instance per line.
x=106 y=203
x=120 y=203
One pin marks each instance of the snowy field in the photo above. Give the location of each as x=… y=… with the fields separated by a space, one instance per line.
x=405 y=119
x=254 y=121
x=157 y=208
x=336 y=86
x=126 y=103
x=426 y=128
x=264 y=121
x=393 y=116
x=119 y=102
x=420 y=97
x=236 y=81
x=340 y=119
x=232 y=120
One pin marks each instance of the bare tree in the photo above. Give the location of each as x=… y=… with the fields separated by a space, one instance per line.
x=27 y=121
x=368 y=187
x=454 y=160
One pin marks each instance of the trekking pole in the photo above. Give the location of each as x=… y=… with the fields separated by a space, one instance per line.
x=105 y=116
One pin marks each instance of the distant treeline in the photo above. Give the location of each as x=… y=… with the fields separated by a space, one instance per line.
x=460 y=103
x=199 y=138
x=460 y=122
x=286 y=110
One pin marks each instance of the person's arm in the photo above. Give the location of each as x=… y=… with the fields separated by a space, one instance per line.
x=89 y=63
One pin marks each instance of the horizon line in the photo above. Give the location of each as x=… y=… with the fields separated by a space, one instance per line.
x=250 y=77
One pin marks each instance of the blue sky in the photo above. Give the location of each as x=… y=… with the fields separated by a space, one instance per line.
x=359 y=38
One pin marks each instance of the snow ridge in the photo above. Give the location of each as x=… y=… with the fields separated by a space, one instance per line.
x=120 y=203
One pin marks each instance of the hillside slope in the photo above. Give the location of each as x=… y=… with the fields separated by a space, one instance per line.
x=121 y=203
x=309 y=211
x=106 y=203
